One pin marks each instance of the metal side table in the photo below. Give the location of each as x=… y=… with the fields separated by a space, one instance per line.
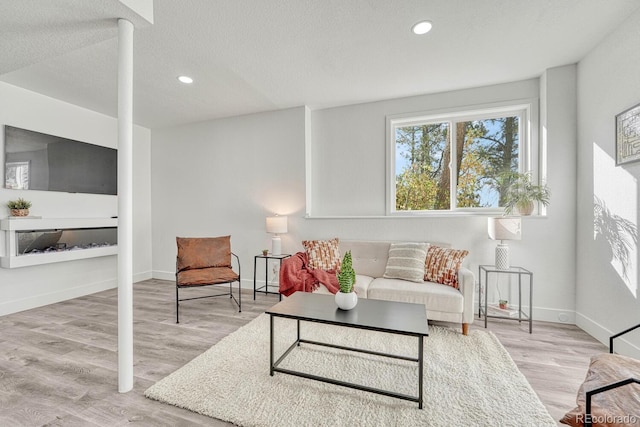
x=266 y=273
x=519 y=271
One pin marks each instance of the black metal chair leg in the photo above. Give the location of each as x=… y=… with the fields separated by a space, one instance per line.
x=177 y=306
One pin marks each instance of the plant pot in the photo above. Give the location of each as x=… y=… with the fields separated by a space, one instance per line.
x=346 y=301
x=525 y=208
x=19 y=212
x=503 y=304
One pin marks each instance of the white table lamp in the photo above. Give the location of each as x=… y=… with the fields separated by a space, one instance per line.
x=504 y=228
x=276 y=225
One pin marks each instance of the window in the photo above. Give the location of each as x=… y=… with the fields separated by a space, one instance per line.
x=451 y=162
x=17 y=175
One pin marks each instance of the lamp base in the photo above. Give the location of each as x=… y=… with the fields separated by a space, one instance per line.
x=276 y=245
x=502 y=256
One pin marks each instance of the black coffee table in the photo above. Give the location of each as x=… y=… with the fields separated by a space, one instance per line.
x=374 y=315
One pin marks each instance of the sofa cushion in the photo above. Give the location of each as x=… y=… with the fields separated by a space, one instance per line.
x=361 y=287
x=206 y=276
x=442 y=265
x=323 y=254
x=434 y=296
x=406 y=261
x=203 y=252
x=369 y=257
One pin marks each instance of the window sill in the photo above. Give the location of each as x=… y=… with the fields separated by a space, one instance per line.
x=420 y=215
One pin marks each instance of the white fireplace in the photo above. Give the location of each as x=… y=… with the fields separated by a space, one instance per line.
x=35 y=241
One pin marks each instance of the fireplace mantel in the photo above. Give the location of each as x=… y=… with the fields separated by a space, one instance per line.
x=14 y=224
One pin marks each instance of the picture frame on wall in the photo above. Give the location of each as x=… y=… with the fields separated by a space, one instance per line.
x=628 y=136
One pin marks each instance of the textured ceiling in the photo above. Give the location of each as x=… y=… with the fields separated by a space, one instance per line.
x=256 y=55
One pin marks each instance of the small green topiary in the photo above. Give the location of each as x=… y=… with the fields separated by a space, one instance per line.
x=347 y=276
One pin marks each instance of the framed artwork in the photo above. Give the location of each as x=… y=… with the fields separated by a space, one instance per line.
x=628 y=136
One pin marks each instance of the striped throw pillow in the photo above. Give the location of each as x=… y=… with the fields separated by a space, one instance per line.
x=406 y=261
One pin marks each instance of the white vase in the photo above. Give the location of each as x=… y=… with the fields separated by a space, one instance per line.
x=346 y=301
x=525 y=208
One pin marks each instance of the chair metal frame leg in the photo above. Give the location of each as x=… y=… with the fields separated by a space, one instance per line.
x=177 y=304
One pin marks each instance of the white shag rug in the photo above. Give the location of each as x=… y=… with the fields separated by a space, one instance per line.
x=468 y=380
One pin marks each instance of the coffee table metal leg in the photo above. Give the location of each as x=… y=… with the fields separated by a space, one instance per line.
x=274 y=365
x=420 y=368
x=271 y=345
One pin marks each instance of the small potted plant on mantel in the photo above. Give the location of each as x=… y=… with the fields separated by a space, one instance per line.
x=346 y=298
x=19 y=207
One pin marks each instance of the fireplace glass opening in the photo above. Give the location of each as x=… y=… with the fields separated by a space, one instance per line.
x=71 y=239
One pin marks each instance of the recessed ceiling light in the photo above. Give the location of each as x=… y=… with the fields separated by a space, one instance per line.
x=185 y=79
x=422 y=27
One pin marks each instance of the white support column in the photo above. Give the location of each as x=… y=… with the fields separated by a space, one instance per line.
x=308 y=175
x=125 y=205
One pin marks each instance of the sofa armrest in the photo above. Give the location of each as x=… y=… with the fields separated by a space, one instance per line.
x=467 y=285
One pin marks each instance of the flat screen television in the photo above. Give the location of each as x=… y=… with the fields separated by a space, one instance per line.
x=37 y=161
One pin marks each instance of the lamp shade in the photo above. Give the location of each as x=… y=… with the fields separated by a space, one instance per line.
x=504 y=228
x=277 y=224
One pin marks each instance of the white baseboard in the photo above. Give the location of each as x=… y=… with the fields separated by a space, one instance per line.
x=163 y=275
x=545 y=314
x=28 y=303
x=555 y=315
x=602 y=334
x=139 y=277
x=35 y=301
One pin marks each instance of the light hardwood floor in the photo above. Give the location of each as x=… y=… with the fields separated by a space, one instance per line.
x=58 y=364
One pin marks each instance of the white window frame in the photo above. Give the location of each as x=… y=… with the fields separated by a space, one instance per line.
x=528 y=150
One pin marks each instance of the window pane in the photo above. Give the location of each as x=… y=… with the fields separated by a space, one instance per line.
x=486 y=148
x=423 y=154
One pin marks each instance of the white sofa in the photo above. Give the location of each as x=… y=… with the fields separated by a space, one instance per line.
x=443 y=302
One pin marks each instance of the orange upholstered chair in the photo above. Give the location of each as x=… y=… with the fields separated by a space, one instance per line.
x=206 y=261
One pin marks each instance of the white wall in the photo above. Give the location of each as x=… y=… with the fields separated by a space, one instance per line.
x=556 y=237
x=607 y=302
x=29 y=287
x=348 y=169
x=224 y=177
x=349 y=145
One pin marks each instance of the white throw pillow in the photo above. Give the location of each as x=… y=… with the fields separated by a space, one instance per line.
x=406 y=261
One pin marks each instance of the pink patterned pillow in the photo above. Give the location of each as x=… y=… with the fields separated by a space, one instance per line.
x=442 y=265
x=323 y=254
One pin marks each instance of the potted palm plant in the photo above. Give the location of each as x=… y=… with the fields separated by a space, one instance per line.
x=19 y=207
x=520 y=193
x=346 y=298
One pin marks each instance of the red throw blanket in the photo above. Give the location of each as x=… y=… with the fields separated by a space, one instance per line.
x=295 y=275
